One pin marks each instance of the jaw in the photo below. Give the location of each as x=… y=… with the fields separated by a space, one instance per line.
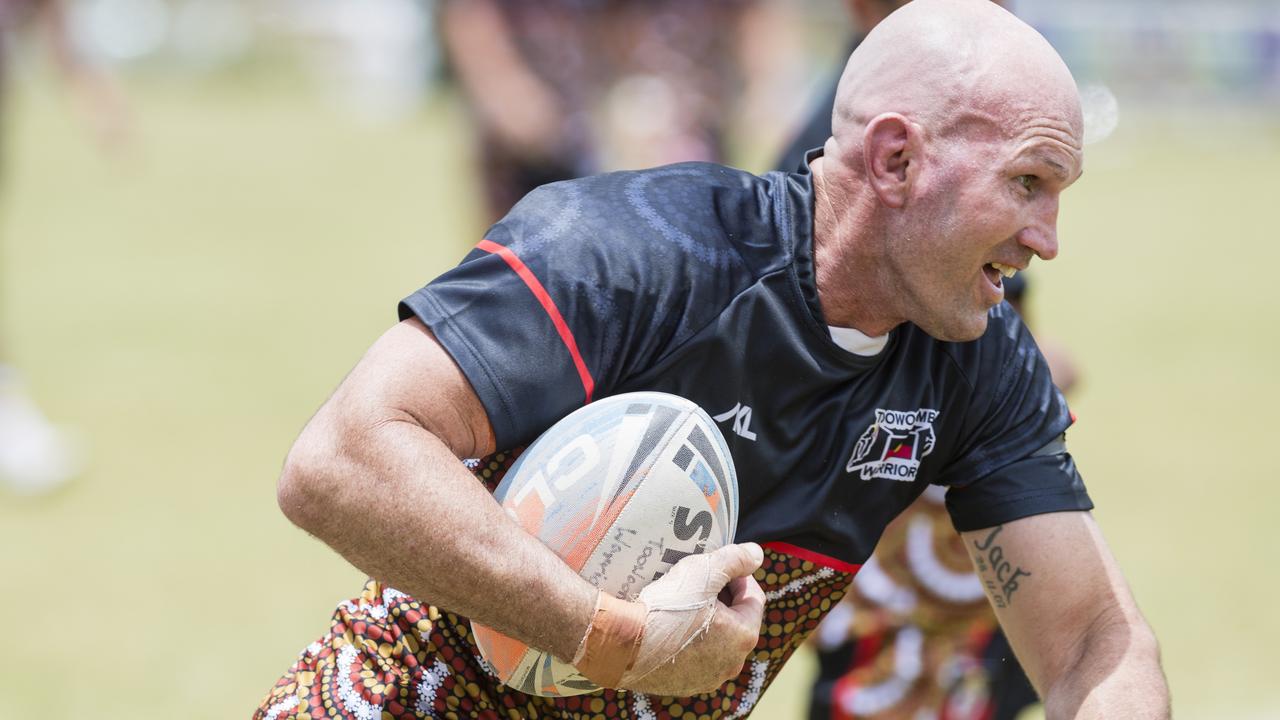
x=962 y=316
x=957 y=329
x=948 y=307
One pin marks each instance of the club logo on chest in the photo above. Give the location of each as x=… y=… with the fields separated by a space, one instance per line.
x=893 y=446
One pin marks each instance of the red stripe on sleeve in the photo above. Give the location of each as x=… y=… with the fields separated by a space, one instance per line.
x=544 y=299
x=814 y=557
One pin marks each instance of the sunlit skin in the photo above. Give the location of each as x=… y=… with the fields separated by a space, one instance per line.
x=942 y=163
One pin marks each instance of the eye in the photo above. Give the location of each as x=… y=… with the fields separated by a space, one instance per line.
x=1028 y=182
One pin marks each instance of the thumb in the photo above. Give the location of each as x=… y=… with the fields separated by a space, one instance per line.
x=737 y=560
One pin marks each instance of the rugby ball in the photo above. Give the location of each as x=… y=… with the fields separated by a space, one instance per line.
x=621 y=489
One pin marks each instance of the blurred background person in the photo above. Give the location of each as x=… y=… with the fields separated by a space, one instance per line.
x=572 y=87
x=864 y=15
x=35 y=455
x=377 y=60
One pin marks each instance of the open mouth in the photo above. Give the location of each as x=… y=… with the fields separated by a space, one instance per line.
x=997 y=272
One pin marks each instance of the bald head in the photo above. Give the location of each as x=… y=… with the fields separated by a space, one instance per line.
x=953 y=66
x=956 y=129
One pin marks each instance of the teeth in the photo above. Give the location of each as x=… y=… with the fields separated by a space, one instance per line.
x=1004 y=270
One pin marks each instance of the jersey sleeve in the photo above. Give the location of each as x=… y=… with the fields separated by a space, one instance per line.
x=1012 y=462
x=565 y=298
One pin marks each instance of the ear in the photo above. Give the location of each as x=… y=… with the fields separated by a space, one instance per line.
x=889 y=146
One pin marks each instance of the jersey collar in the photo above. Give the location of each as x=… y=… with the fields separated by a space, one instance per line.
x=799 y=201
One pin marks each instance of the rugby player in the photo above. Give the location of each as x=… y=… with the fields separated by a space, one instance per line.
x=847 y=322
x=915 y=636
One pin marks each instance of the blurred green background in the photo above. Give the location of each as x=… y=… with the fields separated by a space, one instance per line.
x=187 y=305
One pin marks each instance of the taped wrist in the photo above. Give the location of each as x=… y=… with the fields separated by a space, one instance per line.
x=612 y=641
x=681 y=606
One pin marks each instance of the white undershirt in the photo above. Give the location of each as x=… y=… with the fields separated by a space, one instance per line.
x=856 y=342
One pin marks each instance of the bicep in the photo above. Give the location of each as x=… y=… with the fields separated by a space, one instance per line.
x=1052 y=581
x=408 y=376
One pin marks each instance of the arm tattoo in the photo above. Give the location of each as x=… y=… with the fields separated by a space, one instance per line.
x=999 y=574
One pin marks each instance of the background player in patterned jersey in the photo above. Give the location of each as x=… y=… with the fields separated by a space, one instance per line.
x=862 y=291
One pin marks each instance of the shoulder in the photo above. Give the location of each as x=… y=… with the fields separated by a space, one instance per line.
x=1011 y=406
x=712 y=216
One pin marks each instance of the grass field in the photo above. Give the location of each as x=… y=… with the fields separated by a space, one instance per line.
x=188 y=306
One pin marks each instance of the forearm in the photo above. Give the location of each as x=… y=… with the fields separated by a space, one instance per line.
x=1116 y=674
x=398 y=504
x=1062 y=601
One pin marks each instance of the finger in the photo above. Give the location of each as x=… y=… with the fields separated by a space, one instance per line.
x=732 y=593
x=748 y=601
x=743 y=589
x=737 y=560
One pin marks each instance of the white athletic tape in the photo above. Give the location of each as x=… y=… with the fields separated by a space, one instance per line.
x=681 y=606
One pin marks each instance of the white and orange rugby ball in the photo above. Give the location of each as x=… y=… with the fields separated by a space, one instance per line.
x=621 y=489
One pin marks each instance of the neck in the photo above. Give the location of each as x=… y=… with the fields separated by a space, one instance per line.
x=855 y=286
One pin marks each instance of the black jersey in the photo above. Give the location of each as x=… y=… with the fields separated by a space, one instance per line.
x=697 y=280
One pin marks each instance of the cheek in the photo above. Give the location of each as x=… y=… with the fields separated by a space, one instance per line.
x=955 y=228
x=961 y=230
x=985 y=220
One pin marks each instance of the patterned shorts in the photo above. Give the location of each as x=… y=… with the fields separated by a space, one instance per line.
x=388 y=656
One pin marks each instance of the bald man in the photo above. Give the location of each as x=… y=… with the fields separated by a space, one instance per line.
x=844 y=323
x=916 y=636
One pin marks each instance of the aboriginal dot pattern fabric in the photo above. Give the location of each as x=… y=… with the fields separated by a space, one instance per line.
x=915 y=635
x=388 y=656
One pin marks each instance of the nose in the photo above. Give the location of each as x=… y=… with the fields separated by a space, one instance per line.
x=1040 y=236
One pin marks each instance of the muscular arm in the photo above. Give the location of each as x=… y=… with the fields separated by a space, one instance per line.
x=1061 y=599
x=375 y=474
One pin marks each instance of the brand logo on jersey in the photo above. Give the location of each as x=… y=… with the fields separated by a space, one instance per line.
x=894 y=445
x=741 y=416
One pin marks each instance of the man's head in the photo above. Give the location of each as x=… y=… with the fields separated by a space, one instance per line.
x=955 y=128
